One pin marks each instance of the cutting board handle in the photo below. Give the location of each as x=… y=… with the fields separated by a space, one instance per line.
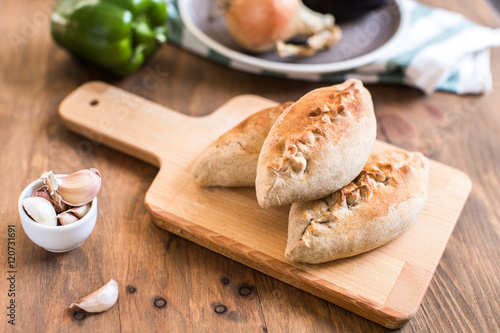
x=111 y=116
x=148 y=131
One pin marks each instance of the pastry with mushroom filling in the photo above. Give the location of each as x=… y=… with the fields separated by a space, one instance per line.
x=381 y=203
x=317 y=146
x=232 y=159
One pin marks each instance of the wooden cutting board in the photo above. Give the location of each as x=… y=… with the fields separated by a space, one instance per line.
x=385 y=285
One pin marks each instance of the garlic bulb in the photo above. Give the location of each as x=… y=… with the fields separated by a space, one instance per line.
x=40 y=210
x=100 y=300
x=75 y=189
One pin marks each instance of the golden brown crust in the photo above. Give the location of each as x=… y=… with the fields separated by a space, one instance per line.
x=232 y=159
x=381 y=203
x=316 y=146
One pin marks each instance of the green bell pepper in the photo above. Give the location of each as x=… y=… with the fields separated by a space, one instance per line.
x=116 y=34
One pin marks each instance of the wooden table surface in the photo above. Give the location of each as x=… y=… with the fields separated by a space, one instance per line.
x=170 y=284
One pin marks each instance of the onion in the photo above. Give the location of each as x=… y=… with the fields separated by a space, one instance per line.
x=264 y=25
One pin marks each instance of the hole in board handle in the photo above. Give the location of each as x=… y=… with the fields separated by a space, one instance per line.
x=94 y=102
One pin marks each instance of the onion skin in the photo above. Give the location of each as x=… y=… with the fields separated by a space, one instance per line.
x=257 y=25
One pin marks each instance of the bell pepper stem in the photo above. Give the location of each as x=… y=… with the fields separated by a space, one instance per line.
x=160 y=39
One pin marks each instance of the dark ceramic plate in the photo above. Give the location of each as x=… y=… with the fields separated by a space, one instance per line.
x=364 y=40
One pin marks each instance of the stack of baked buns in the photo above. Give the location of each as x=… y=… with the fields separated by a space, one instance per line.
x=318 y=155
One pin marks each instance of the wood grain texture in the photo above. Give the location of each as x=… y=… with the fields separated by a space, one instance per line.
x=461 y=131
x=230 y=222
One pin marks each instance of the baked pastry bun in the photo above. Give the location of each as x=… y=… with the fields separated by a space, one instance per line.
x=317 y=146
x=380 y=204
x=232 y=159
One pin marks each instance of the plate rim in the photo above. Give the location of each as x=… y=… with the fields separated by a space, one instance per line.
x=287 y=68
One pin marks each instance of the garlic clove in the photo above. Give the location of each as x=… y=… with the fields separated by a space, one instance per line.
x=59 y=205
x=100 y=300
x=80 y=211
x=50 y=182
x=67 y=217
x=75 y=189
x=40 y=210
x=43 y=192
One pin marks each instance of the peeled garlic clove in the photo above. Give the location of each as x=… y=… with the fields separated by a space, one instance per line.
x=76 y=189
x=100 y=300
x=80 y=211
x=40 y=210
x=67 y=217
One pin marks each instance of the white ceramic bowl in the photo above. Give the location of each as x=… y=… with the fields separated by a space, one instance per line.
x=61 y=238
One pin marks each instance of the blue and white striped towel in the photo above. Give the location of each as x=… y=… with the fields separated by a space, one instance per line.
x=441 y=51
